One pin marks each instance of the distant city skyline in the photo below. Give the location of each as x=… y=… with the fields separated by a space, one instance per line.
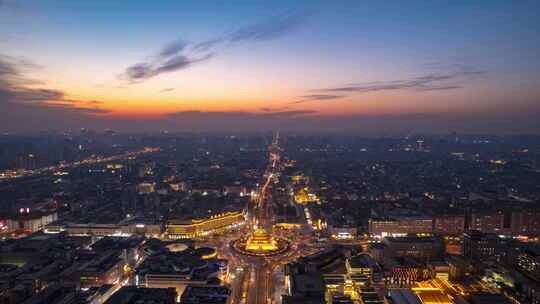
x=365 y=67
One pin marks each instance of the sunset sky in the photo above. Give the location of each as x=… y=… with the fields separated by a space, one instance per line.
x=366 y=66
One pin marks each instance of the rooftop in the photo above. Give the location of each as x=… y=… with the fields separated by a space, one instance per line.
x=134 y=295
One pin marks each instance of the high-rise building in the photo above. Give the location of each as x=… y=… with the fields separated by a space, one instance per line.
x=522 y=222
x=491 y=221
x=482 y=246
x=400 y=225
x=525 y=222
x=449 y=224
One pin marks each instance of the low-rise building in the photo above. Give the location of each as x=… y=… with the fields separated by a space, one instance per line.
x=194 y=228
x=363 y=268
x=179 y=269
x=423 y=248
x=107 y=268
x=135 y=295
x=31 y=222
x=206 y=294
x=403 y=272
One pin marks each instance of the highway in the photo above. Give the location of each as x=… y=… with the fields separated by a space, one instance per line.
x=263 y=205
x=263 y=275
x=14 y=174
x=264 y=268
x=257 y=280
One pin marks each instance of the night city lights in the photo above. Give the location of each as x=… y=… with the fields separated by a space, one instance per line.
x=269 y=152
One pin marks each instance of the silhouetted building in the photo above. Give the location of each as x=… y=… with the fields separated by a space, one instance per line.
x=205 y=294
x=481 y=246
x=413 y=246
x=136 y=295
x=488 y=298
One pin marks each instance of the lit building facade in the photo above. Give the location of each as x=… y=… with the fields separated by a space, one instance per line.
x=449 y=224
x=528 y=261
x=93 y=229
x=343 y=233
x=524 y=222
x=145 y=188
x=497 y=222
x=107 y=269
x=31 y=222
x=404 y=273
x=400 y=226
x=203 y=227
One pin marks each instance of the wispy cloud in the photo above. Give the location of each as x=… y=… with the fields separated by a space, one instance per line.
x=167 y=90
x=440 y=88
x=456 y=76
x=269 y=29
x=207 y=45
x=173 y=48
x=287 y=114
x=144 y=70
x=317 y=97
x=178 y=54
x=274 y=109
x=17 y=88
x=422 y=83
x=70 y=107
x=241 y=114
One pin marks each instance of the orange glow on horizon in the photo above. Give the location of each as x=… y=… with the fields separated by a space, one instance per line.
x=143 y=104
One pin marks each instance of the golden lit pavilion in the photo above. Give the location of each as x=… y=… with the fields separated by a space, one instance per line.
x=260 y=240
x=303 y=196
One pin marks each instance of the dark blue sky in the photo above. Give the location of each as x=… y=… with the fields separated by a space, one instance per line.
x=302 y=65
